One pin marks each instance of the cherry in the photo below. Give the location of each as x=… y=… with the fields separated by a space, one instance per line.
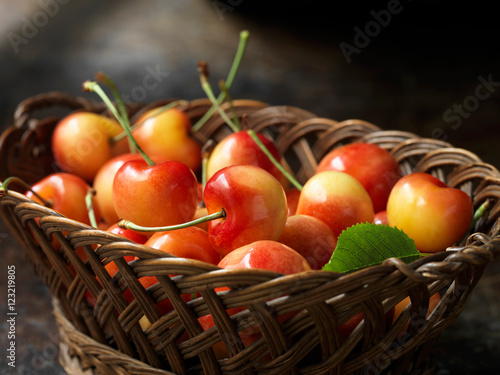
x=151 y=194
x=82 y=143
x=164 y=134
x=189 y=242
x=158 y=195
x=103 y=185
x=254 y=203
x=244 y=204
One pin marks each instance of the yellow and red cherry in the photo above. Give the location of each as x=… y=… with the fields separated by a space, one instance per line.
x=239 y=148
x=266 y=255
x=103 y=185
x=254 y=203
x=189 y=242
x=370 y=164
x=130 y=234
x=83 y=141
x=337 y=199
x=155 y=195
x=311 y=238
x=164 y=134
x=67 y=194
x=380 y=217
x=433 y=214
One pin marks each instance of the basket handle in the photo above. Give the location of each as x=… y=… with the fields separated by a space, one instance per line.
x=24 y=109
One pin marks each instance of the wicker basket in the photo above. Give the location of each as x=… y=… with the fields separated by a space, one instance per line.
x=108 y=339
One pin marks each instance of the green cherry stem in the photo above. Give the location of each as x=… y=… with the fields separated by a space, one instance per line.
x=244 y=35
x=223 y=88
x=100 y=76
x=278 y=165
x=479 y=213
x=208 y=91
x=94 y=87
x=90 y=207
x=24 y=184
x=125 y=224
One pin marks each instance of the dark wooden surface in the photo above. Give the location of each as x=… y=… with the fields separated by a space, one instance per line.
x=431 y=68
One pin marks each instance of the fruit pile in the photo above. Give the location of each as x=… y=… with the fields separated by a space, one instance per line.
x=235 y=204
x=245 y=198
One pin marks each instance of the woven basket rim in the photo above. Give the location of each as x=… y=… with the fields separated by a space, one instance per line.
x=305 y=117
x=423 y=275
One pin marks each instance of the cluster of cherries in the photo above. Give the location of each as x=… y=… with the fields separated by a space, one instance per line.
x=245 y=212
x=245 y=195
x=235 y=206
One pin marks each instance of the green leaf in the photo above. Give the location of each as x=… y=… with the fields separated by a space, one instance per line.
x=367 y=244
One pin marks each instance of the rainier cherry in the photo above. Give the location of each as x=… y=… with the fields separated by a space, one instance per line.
x=380 y=217
x=370 y=164
x=150 y=194
x=165 y=135
x=239 y=148
x=66 y=194
x=155 y=195
x=267 y=255
x=190 y=242
x=82 y=143
x=103 y=185
x=336 y=198
x=254 y=203
x=433 y=214
x=243 y=203
x=311 y=238
x=132 y=235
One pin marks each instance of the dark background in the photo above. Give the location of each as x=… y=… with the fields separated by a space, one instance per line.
x=423 y=70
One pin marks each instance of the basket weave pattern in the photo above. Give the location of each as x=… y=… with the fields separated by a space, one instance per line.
x=108 y=339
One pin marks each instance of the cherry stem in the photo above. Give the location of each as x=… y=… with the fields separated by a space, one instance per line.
x=137 y=125
x=100 y=76
x=90 y=207
x=94 y=87
x=126 y=224
x=244 y=35
x=24 y=184
x=223 y=88
x=479 y=213
x=208 y=91
x=278 y=165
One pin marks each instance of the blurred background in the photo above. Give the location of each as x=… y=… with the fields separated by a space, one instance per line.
x=430 y=67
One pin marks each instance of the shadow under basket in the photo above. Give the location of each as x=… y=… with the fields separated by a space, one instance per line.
x=295 y=319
